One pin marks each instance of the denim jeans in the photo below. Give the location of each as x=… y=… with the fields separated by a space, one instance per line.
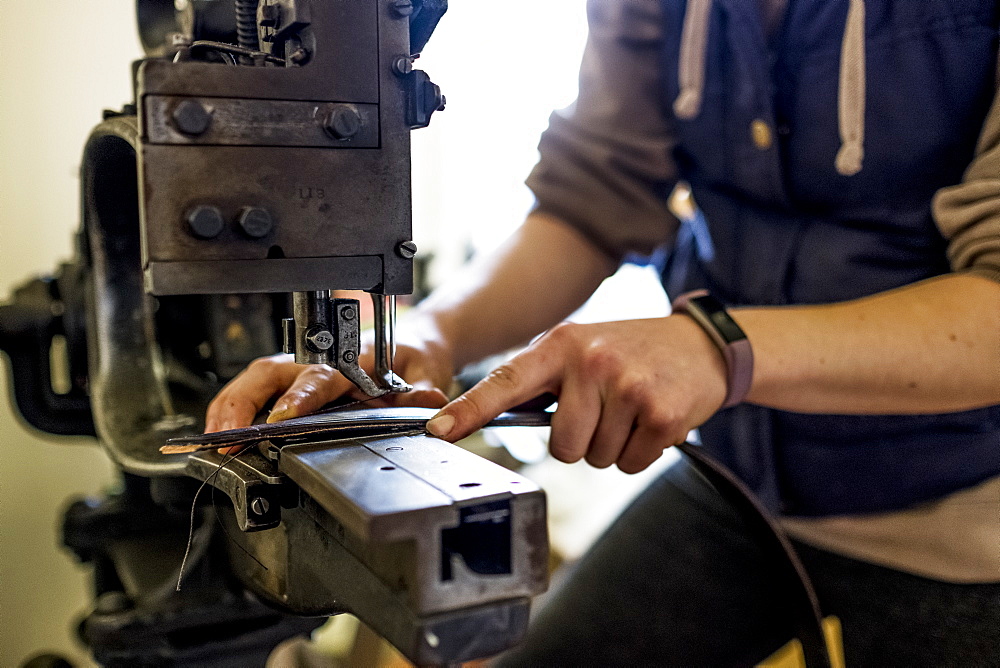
x=677 y=581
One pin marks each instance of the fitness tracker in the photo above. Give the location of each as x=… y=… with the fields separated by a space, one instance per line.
x=711 y=316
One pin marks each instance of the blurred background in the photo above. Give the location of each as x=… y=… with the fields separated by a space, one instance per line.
x=503 y=71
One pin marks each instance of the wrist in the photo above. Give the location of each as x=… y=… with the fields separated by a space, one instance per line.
x=704 y=358
x=728 y=338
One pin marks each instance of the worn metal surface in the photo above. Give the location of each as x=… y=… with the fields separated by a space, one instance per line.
x=435 y=548
x=149 y=377
x=268 y=145
x=236 y=122
x=228 y=276
x=328 y=331
x=252 y=483
x=411 y=489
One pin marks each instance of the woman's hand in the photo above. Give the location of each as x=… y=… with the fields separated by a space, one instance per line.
x=421 y=360
x=627 y=390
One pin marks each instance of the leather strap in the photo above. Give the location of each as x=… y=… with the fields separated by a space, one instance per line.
x=729 y=338
x=337 y=424
x=795 y=584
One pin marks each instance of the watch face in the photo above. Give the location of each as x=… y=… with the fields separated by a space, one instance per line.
x=716 y=314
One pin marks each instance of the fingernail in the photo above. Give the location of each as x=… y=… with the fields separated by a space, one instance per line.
x=278 y=414
x=441 y=425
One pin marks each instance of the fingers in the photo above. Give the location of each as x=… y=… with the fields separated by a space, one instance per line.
x=244 y=396
x=314 y=387
x=524 y=377
x=574 y=422
x=644 y=447
x=613 y=431
x=423 y=395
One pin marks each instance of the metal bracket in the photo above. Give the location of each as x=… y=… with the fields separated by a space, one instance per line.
x=423 y=98
x=328 y=331
x=347 y=315
x=277 y=19
x=252 y=482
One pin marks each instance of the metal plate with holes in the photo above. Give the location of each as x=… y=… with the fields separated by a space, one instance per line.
x=475 y=532
x=250 y=122
x=372 y=485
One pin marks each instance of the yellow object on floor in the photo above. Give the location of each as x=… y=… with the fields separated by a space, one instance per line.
x=791 y=655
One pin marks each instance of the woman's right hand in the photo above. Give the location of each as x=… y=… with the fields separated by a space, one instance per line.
x=422 y=361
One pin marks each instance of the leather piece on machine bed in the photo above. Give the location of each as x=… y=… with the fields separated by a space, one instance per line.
x=338 y=424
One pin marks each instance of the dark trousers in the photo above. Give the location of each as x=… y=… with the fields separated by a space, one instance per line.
x=676 y=581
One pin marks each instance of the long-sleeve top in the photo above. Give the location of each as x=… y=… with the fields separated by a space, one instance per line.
x=606 y=168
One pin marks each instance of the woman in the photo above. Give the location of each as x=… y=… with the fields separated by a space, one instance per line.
x=845 y=157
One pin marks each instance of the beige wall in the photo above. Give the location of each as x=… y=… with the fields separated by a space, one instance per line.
x=60 y=64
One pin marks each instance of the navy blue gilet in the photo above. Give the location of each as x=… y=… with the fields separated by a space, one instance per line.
x=784 y=227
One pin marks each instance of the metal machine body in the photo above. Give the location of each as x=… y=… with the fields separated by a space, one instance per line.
x=266 y=153
x=289 y=170
x=436 y=548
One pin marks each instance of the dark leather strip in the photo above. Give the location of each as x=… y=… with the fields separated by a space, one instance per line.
x=772 y=540
x=337 y=424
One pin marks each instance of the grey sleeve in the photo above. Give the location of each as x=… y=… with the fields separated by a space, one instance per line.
x=606 y=165
x=968 y=214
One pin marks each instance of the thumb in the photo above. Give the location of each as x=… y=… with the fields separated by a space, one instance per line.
x=506 y=386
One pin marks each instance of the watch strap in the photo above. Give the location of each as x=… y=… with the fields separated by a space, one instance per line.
x=727 y=336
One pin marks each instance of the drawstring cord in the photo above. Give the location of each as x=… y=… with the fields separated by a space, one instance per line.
x=850 y=92
x=691 y=68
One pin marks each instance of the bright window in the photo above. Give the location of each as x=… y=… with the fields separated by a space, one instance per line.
x=503 y=67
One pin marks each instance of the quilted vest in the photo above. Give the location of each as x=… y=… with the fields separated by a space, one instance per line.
x=781 y=225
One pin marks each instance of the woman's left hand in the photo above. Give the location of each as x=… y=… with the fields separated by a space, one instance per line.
x=627 y=390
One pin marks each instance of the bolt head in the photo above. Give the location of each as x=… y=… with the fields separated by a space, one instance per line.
x=205 y=222
x=350 y=356
x=343 y=122
x=260 y=506
x=191 y=117
x=348 y=313
x=407 y=249
x=299 y=56
x=402 y=65
x=256 y=222
x=320 y=340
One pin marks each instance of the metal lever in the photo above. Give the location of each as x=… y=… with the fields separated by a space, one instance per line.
x=348 y=316
x=328 y=331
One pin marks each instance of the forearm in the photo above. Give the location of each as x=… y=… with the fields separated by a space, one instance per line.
x=544 y=272
x=932 y=347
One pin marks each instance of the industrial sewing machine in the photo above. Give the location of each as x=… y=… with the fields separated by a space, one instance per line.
x=266 y=154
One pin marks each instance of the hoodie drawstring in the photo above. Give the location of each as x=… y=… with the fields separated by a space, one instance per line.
x=850 y=92
x=691 y=67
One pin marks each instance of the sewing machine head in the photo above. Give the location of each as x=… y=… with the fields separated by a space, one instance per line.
x=282 y=164
x=266 y=152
